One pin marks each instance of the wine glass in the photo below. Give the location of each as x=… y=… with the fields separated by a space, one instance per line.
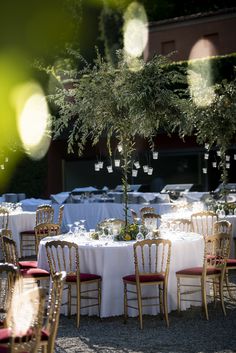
x=139 y=235
x=222 y=212
x=82 y=221
x=82 y=230
x=137 y=219
x=76 y=227
x=69 y=225
x=103 y=235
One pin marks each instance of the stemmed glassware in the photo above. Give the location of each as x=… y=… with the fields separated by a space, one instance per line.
x=82 y=230
x=103 y=235
x=139 y=235
x=76 y=227
x=82 y=221
x=222 y=212
x=69 y=225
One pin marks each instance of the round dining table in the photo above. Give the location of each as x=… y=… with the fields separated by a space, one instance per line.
x=20 y=221
x=115 y=259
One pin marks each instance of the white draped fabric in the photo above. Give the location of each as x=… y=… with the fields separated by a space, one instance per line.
x=93 y=213
x=113 y=260
x=168 y=217
x=18 y=222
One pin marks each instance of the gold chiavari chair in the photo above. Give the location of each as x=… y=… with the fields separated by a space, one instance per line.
x=44 y=230
x=212 y=271
x=152 y=261
x=134 y=215
x=202 y=222
x=4 y=218
x=226 y=226
x=64 y=256
x=24 y=321
x=60 y=215
x=9 y=274
x=110 y=223
x=50 y=327
x=146 y=209
x=28 y=269
x=4 y=222
x=181 y=224
x=150 y=220
x=44 y=214
x=222 y=226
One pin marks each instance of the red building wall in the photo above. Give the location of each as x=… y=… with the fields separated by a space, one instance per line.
x=193 y=37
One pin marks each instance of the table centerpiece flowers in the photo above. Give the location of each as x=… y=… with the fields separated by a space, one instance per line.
x=128 y=233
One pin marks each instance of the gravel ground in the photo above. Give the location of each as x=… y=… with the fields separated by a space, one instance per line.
x=189 y=332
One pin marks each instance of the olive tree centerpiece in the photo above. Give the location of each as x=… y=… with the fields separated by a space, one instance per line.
x=214 y=124
x=119 y=103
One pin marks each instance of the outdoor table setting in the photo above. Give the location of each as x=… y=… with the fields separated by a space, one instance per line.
x=113 y=259
x=166 y=219
x=93 y=213
x=19 y=221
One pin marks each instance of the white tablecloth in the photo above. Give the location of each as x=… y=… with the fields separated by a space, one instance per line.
x=19 y=221
x=115 y=260
x=187 y=215
x=93 y=213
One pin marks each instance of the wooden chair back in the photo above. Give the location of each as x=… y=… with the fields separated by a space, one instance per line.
x=25 y=319
x=152 y=257
x=4 y=218
x=146 y=209
x=53 y=309
x=181 y=224
x=63 y=256
x=60 y=215
x=202 y=222
x=222 y=226
x=9 y=274
x=150 y=220
x=111 y=223
x=44 y=230
x=10 y=251
x=44 y=214
x=216 y=253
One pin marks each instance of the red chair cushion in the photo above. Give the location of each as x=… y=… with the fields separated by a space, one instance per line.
x=83 y=277
x=44 y=335
x=27 y=232
x=28 y=264
x=34 y=272
x=197 y=271
x=231 y=262
x=5 y=334
x=144 y=279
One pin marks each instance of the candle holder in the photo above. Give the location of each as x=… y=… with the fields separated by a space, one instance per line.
x=117 y=162
x=96 y=167
x=137 y=164
x=155 y=155
x=145 y=168
x=150 y=171
x=100 y=163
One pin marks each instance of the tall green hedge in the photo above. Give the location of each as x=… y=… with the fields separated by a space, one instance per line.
x=221 y=67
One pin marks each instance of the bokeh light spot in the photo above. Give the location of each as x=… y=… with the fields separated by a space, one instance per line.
x=135 y=30
x=200 y=77
x=33 y=119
